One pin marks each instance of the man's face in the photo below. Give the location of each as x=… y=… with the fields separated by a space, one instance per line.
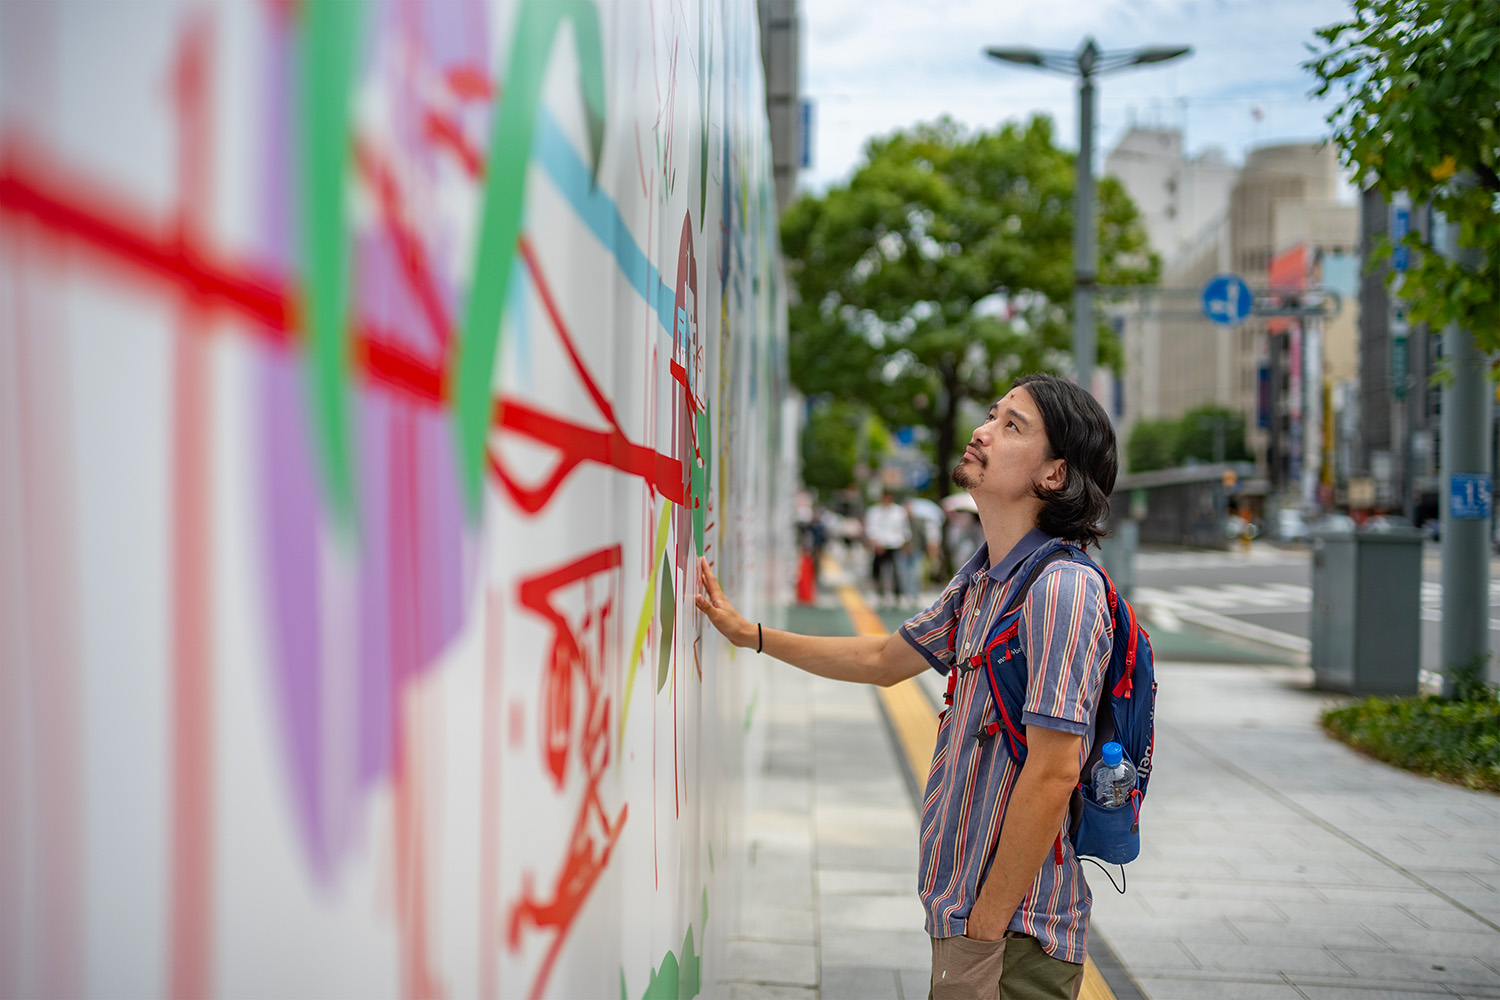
x=1007 y=454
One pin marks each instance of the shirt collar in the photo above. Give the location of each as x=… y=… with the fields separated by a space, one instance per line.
x=1029 y=543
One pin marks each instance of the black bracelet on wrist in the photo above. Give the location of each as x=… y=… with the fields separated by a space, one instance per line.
x=760 y=637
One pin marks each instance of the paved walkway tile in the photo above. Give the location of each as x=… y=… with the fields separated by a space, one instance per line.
x=1193 y=988
x=860 y=983
x=1278 y=863
x=773 y=962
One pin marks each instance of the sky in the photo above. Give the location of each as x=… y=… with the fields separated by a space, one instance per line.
x=872 y=66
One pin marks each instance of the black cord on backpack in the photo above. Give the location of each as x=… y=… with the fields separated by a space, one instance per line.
x=1110 y=875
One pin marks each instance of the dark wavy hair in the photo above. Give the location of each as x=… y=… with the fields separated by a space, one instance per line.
x=1078 y=432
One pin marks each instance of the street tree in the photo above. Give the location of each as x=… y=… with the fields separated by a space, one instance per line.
x=1420 y=89
x=837 y=436
x=943 y=269
x=1211 y=433
x=1152 y=445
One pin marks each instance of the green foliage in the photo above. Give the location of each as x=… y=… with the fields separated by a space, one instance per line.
x=1455 y=739
x=943 y=269
x=1152 y=445
x=1196 y=431
x=1469 y=682
x=1163 y=444
x=831 y=444
x=1420 y=83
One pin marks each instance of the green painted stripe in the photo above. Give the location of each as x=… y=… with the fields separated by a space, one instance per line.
x=329 y=44
x=511 y=135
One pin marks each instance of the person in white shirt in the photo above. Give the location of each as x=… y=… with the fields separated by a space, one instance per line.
x=887 y=533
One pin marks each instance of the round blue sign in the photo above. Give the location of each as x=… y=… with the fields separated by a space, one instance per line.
x=1227 y=299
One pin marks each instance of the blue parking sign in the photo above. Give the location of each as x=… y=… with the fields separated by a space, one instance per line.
x=1469 y=496
x=1227 y=299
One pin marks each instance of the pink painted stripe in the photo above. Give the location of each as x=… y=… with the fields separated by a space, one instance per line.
x=192 y=577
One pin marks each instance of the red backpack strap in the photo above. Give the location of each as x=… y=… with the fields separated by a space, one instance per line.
x=1126 y=683
x=1017 y=738
x=1012 y=730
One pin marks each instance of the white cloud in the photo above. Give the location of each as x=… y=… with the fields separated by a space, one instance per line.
x=872 y=66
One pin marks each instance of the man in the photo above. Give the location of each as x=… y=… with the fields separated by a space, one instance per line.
x=887 y=535
x=1006 y=903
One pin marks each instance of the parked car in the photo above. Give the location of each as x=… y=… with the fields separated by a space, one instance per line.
x=1336 y=521
x=1291 y=526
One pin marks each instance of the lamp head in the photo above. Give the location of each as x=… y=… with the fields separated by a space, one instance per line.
x=1026 y=57
x=1162 y=53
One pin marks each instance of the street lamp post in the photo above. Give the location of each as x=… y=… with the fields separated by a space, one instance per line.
x=1089 y=61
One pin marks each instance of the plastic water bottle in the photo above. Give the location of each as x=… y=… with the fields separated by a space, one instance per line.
x=1114 y=776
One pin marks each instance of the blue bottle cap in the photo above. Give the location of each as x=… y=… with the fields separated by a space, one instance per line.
x=1111 y=753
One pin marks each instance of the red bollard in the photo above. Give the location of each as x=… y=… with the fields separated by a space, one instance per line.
x=805 y=579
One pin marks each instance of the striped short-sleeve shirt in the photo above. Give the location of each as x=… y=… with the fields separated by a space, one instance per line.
x=1065 y=635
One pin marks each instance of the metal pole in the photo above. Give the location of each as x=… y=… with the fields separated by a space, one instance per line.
x=1085 y=239
x=1400 y=360
x=1465 y=455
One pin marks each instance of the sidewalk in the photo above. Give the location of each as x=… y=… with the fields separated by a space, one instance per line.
x=1276 y=862
x=829 y=904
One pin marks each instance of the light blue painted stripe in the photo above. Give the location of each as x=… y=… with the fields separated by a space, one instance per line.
x=597 y=210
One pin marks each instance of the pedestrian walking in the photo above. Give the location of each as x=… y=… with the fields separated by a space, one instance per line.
x=1005 y=898
x=888 y=535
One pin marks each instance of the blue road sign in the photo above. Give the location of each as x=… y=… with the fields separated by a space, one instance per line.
x=1469 y=496
x=1227 y=299
x=1400 y=226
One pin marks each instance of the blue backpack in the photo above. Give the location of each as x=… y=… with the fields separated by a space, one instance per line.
x=1126 y=714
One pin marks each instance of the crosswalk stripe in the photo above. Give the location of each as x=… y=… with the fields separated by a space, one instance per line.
x=1243 y=598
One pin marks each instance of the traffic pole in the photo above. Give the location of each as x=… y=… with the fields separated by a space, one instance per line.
x=1400 y=358
x=1465 y=491
x=1085 y=238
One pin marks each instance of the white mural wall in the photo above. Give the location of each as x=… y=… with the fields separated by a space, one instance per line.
x=372 y=375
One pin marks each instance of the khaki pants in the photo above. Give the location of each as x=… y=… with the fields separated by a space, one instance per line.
x=1013 y=968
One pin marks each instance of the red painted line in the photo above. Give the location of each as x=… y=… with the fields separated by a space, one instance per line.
x=192 y=674
x=470 y=83
x=31 y=189
x=577 y=444
x=444 y=131
x=594 y=834
x=192 y=908
x=55 y=764
x=69 y=206
x=409 y=249
x=489 y=800
x=544 y=292
x=388 y=364
x=640 y=164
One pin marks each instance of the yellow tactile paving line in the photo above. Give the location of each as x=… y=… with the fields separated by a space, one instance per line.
x=915 y=723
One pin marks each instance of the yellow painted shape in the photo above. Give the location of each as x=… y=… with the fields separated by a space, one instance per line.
x=916 y=724
x=1094 y=986
x=648 y=608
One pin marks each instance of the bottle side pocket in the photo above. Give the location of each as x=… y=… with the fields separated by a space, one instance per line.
x=1109 y=834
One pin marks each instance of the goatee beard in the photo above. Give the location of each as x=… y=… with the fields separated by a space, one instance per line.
x=964 y=479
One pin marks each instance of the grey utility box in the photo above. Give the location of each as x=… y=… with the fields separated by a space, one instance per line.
x=1367 y=611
